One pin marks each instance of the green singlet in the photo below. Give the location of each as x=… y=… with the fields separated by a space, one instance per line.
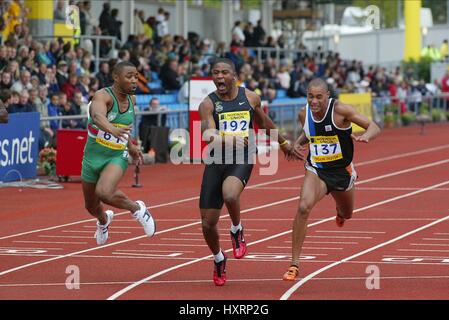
x=101 y=147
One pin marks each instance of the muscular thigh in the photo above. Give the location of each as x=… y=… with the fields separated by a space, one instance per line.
x=344 y=201
x=313 y=189
x=109 y=178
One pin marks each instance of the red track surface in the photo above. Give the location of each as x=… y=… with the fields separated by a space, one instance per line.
x=42 y=232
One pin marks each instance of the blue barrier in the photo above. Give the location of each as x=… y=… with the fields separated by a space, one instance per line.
x=19 y=141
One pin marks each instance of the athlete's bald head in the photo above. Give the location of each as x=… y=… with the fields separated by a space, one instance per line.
x=318 y=83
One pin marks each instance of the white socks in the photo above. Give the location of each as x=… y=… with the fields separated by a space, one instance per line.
x=219 y=257
x=234 y=229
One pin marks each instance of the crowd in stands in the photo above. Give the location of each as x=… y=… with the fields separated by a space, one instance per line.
x=59 y=78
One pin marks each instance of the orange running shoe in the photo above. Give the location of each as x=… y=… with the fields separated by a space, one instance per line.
x=339 y=221
x=291 y=273
x=220 y=271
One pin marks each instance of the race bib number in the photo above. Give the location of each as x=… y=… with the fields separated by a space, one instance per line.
x=108 y=140
x=325 y=149
x=234 y=123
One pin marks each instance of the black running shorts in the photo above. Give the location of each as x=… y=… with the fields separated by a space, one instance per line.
x=340 y=179
x=211 y=196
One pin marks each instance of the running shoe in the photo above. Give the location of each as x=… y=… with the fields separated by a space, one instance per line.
x=146 y=219
x=238 y=244
x=291 y=273
x=339 y=221
x=102 y=232
x=220 y=271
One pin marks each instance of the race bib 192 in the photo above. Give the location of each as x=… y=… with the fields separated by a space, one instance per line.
x=325 y=148
x=108 y=140
x=234 y=123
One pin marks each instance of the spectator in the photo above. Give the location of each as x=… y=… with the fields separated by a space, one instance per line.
x=59 y=12
x=41 y=101
x=53 y=109
x=72 y=109
x=42 y=73
x=104 y=77
x=83 y=86
x=238 y=32
x=248 y=33
x=259 y=34
x=24 y=82
x=90 y=21
x=162 y=27
x=169 y=75
x=69 y=88
x=6 y=81
x=61 y=73
x=445 y=86
x=106 y=19
x=138 y=22
x=24 y=104
x=116 y=25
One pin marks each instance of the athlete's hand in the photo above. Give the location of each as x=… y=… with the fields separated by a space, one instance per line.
x=299 y=151
x=121 y=133
x=292 y=153
x=362 y=138
x=136 y=154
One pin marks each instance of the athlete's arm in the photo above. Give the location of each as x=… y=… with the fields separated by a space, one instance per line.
x=206 y=110
x=350 y=115
x=98 y=111
x=265 y=122
x=3 y=113
x=302 y=139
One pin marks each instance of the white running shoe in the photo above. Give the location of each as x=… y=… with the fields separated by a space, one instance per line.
x=102 y=232
x=145 y=219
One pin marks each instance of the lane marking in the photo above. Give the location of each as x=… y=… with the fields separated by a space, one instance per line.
x=397 y=156
x=155 y=275
x=300 y=283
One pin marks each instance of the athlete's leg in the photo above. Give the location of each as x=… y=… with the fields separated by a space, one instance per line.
x=107 y=191
x=209 y=221
x=232 y=188
x=345 y=202
x=312 y=191
x=92 y=202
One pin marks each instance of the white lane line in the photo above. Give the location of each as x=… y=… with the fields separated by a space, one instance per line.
x=348 y=231
x=336 y=242
x=63 y=284
x=339 y=237
x=137 y=238
x=383 y=159
x=66 y=237
x=429 y=244
x=415 y=256
x=301 y=282
x=155 y=275
x=435 y=239
x=421 y=250
x=305 y=248
x=28 y=248
x=201 y=234
x=441 y=233
x=186 y=239
x=86 y=231
x=358 y=189
x=171 y=251
x=58 y=242
x=173 y=245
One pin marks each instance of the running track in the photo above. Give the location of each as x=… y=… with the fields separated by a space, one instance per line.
x=400 y=228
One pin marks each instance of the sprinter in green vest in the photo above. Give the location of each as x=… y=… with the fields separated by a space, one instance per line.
x=111 y=115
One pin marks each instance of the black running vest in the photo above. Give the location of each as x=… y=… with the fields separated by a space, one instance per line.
x=329 y=146
x=235 y=118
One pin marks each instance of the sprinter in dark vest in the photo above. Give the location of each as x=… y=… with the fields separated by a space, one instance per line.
x=227 y=117
x=327 y=129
